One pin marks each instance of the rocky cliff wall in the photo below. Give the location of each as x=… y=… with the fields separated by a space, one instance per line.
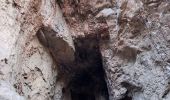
x=25 y=64
x=133 y=37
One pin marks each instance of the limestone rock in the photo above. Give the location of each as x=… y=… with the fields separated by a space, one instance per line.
x=133 y=35
x=7 y=92
x=138 y=50
x=105 y=12
x=25 y=63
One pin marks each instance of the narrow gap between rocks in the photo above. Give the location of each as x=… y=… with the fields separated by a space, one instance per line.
x=87 y=82
x=84 y=76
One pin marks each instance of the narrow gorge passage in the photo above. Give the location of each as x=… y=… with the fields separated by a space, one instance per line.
x=88 y=81
x=83 y=77
x=92 y=79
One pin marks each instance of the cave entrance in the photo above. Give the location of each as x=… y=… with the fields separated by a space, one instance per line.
x=88 y=80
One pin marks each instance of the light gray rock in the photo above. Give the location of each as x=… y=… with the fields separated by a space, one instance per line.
x=105 y=12
x=7 y=92
x=139 y=51
x=25 y=63
x=136 y=56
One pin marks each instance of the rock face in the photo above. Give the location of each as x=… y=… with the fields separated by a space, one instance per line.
x=137 y=60
x=133 y=39
x=136 y=56
x=7 y=92
x=25 y=64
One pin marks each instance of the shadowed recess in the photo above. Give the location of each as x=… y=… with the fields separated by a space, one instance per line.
x=88 y=82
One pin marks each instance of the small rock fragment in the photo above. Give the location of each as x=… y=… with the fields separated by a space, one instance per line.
x=105 y=12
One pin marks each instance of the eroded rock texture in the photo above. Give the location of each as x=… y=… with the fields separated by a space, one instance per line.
x=136 y=56
x=133 y=37
x=25 y=64
x=138 y=51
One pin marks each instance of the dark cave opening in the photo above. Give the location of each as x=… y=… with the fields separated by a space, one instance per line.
x=88 y=80
x=83 y=77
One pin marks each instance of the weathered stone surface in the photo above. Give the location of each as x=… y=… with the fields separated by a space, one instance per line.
x=105 y=12
x=7 y=92
x=137 y=54
x=138 y=51
x=134 y=41
x=25 y=63
x=60 y=49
